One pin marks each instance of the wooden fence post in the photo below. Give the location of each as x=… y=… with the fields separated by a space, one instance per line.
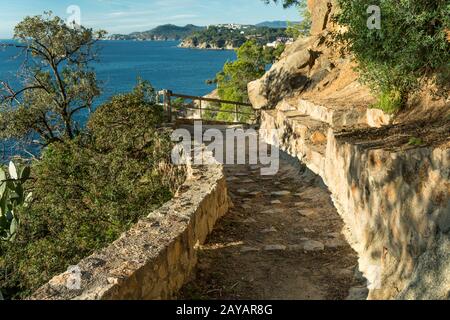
x=236 y=113
x=168 y=104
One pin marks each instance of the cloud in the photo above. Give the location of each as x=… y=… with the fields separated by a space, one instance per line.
x=182 y=16
x=130 y=13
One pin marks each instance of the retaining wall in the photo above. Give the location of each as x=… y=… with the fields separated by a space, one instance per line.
x=158 y=255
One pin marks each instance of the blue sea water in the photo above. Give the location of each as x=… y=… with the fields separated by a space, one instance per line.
x=161 y=62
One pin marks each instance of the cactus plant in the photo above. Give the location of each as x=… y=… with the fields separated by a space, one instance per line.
x=12 y=196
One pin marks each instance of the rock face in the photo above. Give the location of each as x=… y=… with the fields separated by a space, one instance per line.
x=303 y=64
x=189 y=43
x=395 y=203
x=393 y=197
x=321 y=12
x=288 y=75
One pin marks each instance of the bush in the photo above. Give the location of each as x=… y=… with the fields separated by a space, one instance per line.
x=302 y=29
x=390 y=101
x=86 y=192
x=251 y=63
x=410 y=45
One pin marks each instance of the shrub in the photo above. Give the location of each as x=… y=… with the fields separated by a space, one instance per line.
x=89 y=190
x=410 y=45
x=390 y=101
x=303 y=28
x=414 y=141
x=250 y=65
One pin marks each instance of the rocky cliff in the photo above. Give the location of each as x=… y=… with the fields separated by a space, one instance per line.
x=190 y=43
x=389 y=175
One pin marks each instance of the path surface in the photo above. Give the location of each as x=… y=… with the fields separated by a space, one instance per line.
x=281 y=240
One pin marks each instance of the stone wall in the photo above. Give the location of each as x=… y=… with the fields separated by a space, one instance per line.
x=157 y=256
x=394 y=197
x=395 y=203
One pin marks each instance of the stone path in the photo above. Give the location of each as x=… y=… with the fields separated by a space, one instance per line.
x=281 y=240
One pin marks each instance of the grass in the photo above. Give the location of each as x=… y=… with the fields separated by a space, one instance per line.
x=390 y=102
x=415 y=141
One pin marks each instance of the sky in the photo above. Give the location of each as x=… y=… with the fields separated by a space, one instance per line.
x=126 y=16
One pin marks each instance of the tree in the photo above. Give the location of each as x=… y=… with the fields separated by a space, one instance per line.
x=304 y=27
x=286 y=3
x=57 y=80
x=90 y=189
x=250 y=65
x=410 y=45
x=272 y=54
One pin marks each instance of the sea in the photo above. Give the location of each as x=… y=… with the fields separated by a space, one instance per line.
x=121 y=63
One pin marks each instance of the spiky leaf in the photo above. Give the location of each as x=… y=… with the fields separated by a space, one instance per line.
x=3 y=204
x=2 y=182
x=13 y=228
x=13 y=171
x=25 y=173
x=20 y=194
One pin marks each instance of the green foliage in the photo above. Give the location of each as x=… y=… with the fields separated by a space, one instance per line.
x=12 y=196
x=272 y=55
x=57 y=80
x=302 y=29
x=410 y=45
x=250 y=65
x=220 y=36
x=167 y=31
x=390 y=101
x=286 y=3
x=415 y=141
x=89 y=190
x=127 y=121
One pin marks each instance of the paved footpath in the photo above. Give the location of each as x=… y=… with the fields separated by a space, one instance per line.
x=281 y=240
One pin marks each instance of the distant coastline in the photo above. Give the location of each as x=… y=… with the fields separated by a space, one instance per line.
x=189 y=44
x=215 y=37
x=167 y=32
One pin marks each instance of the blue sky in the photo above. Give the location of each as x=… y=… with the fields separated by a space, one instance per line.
x=125 y=16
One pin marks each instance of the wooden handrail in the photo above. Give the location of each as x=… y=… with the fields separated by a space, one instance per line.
x=216 y=110
x=183 y=96
x=168 y=104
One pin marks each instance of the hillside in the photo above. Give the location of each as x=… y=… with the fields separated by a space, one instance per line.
x=163 y=32
x=276 y=24
x=225 y=37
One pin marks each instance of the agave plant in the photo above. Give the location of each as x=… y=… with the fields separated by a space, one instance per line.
x=12 y=196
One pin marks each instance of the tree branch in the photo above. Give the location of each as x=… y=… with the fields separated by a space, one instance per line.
x=13 y=94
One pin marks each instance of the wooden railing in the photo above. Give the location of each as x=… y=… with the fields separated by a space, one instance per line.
x=174 y=110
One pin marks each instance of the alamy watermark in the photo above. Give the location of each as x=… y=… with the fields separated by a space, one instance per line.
x=231 y=146
x=73 y=281
x=74 y=19
x=374 y=278
x=374 y=20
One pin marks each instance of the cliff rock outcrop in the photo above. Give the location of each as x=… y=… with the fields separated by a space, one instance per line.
x=190 y=43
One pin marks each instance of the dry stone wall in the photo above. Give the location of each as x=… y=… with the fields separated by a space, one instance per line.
x=157 y=256
x=395 y=201
x=395 y=204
